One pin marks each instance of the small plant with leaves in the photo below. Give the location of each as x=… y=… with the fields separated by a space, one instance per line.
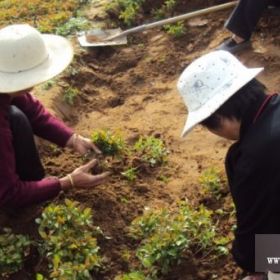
x=151 y=150
x=127 y=10
x=69 y=241
x=176 y=29
x=135 y=275
x=166 y=9
x=165 y=235
x=143 y=226
x=211 y=181
x=73 y=25
x=48 y=85
x=110 y=144
x=130 y=174
x=13 y=250
x=70 y=95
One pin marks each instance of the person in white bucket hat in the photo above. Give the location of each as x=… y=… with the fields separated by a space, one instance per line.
x=28 y=58
x=224 y=96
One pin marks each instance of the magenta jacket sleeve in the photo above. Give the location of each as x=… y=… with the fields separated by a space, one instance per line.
x=43 y=123
x=13 y=191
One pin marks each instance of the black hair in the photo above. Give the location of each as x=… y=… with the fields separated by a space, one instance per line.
x=238 y=104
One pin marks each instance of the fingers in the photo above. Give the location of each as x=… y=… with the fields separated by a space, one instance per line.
x=96 y=150
x=100 y=178
x=87 y=167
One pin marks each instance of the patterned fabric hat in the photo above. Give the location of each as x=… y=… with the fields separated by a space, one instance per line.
x=208 y=82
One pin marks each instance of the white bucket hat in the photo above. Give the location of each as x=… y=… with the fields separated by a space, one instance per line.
x=28 y=57
x=208 y=82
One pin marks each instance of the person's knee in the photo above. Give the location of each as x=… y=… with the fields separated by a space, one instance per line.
x=18 y=118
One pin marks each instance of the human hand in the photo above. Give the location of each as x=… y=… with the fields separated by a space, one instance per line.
x=82 y=178
x=81 y=144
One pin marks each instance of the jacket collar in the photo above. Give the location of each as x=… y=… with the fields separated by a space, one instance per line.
x=248 y=118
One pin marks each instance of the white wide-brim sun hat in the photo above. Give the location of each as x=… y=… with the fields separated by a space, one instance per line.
x=208 y=82
x=28 y=58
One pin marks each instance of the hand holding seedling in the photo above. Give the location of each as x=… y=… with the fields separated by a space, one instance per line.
x=82 y=177
x=81 y=144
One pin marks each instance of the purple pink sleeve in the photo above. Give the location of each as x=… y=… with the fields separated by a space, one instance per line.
x=13 y=191
x=43 y=123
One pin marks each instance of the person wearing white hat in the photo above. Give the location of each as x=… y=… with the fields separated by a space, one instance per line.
x=224 y=96
x=28 y=58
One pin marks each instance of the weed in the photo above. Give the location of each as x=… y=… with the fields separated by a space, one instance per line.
x=13 y=249
x=175 y=29
x=211 y=182
x=73 y=25
x=70 y=95
x=151 y=150
x=68 y=241
x=108 y=143
x=130 y=174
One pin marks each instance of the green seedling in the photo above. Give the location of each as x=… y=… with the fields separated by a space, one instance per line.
x=151 y=150
x=165 y=10
x=13 y=250
x=69 y=241
x=70 y=95
x=109 y=144
x=211 y=182
x=73 y=25
x=145 y=225
x=48 y=85
x=135 y=275
x=176 y=29
x=130 y=174
x=127 y=10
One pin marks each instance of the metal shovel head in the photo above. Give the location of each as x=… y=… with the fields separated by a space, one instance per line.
x=96 y=38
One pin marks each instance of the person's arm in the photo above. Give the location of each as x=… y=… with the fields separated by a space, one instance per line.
x=251 y=191
x=43 y=123
x=13 y=191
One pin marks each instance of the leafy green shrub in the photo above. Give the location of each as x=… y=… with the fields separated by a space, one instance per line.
x=143 y=226
x=151 y=150
x=73 y=25
x=108 y=143
x=13 y=249
x=165 y=235
x=175 y=29
x=70 y=95
x=126 y=9
x=69 y=243
x=211 y=182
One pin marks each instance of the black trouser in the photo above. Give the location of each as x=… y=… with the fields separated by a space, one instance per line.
x=246 y=15
x=28 y=163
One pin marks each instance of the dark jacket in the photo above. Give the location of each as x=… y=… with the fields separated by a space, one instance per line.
x=15 y=192
x=253 y=170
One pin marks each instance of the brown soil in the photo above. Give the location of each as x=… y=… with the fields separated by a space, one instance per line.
x=133 y=89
